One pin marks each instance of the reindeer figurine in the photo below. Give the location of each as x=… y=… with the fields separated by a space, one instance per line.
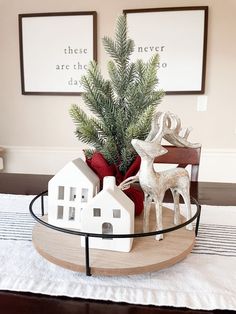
x=154 y=184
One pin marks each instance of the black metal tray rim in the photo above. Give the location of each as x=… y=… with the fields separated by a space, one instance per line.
x=99 y=235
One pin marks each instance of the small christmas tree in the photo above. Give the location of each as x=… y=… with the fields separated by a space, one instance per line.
x=122 y=106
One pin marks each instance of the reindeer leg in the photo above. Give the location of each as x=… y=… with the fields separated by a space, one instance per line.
x=146 y=213
x=158 y=205
x=175 y=195
x=187 y=202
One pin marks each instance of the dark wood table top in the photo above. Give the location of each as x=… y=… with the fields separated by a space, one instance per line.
x=210 y=193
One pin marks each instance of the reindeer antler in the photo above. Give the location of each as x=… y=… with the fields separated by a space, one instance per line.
x=168 y=126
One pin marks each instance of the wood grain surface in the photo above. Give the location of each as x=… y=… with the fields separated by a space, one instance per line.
x=147 y=253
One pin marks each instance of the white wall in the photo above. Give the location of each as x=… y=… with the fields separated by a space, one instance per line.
x=37 y=131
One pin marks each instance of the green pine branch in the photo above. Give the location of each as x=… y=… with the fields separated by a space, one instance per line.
x=122 y=106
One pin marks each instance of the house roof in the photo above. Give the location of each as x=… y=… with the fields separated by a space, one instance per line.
x=117 y=195
x=74 y=168
x=84 y=168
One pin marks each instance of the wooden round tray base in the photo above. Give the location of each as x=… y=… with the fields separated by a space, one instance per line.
x=147 y=253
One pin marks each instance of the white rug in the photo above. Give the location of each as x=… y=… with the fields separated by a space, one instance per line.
x=206 y=279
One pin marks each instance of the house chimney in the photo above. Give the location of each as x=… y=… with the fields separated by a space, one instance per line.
x=109 y=182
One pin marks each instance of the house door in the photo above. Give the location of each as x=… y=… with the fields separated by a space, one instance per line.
x=107 y=228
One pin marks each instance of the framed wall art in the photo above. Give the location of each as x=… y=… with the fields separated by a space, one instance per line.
x=55 y=49
x=179 y=36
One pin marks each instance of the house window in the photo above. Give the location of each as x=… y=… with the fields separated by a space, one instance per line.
x=71 y=213
x=72 y=194
x=84 y=196
x=116 y=213
x=107 y=228
x=97 y=212
x=61 y=191
x=60 y=210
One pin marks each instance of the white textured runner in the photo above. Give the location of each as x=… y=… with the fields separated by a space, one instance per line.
x=206 y=279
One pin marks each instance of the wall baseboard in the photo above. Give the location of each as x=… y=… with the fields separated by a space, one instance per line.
x=217 y=165
x=38 y=160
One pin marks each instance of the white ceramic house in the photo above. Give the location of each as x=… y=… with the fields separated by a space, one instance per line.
x=109 y=212
x=69 y=191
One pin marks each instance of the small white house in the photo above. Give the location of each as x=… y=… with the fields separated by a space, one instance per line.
x=69 y=191
x=109 y=212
